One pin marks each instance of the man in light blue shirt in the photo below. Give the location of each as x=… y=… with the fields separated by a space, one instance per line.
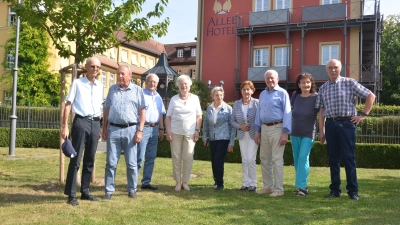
x=124 y=118
x=84 y=98
x=272 y=125
x=153 y=129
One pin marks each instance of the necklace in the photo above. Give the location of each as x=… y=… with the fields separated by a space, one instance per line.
x=245 y=103
x=184 y=97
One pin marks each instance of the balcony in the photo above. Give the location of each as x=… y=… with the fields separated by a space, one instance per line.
x=269 y=17
x=257 y=73
x=324 y=12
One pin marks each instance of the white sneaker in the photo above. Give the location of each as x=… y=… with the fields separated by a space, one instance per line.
x=276 y=193
x=264 y=191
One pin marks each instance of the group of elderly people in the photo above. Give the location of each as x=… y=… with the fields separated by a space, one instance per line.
x=133 y=121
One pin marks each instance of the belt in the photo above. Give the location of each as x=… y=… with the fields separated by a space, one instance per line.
x=123 y=125
x=273 y=123
x=151 y=124
x=338 y=118
x=88 y=117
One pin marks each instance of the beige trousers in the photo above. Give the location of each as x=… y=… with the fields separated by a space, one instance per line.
x=182 y=150
x=271 y=156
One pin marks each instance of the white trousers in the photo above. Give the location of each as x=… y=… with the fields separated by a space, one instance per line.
x=248 y=150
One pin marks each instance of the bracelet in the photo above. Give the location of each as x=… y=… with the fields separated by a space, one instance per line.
x=161 y=129
x=198 y=130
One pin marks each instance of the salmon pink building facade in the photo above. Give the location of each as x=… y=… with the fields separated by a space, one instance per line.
x=241 y=39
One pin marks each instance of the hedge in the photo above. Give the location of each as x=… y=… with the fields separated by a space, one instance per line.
x=383 y=156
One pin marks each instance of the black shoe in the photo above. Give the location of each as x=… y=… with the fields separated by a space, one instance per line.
x=132 y=194
x=331 y=195
x=354 y=196
x=150 y=187
x=252 y=189
x=244 y=188
x=107 y=197
x=302 y=192
x=219 y=188
x=88 y=197
x=72 y=201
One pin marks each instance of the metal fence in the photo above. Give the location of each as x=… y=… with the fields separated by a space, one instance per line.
x=380 y=127
x=31 y=117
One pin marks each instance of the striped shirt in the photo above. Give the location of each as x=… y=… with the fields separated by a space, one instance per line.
x=338 y=98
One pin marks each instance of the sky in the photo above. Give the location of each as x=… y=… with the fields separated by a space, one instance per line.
x=183 y=18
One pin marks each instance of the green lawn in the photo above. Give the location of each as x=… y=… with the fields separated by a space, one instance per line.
x=31 y=194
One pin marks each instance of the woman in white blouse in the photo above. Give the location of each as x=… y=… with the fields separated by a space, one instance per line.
x=183 y=122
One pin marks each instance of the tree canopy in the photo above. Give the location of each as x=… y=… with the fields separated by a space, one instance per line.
x=390 y=61
x=91 y=24
x=36 y=85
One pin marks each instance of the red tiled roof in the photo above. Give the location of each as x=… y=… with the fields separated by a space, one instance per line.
x=150 y=45
x=172 y=55
x=113 y=64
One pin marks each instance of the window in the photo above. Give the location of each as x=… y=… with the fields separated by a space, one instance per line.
x=103 y=78
x=261 y=57
x=124 y=56
x=261 y=5
x=327 y=2
x=10 y=61
x=143 y=61
x=151 y=62
x=112 y=53
x=329 y=52
x=193 y=53
x=12 y=18
x=179 y=53
x=7 y=98
x=111 y=79
x=134 y=59
x=281 y=54
x=282 y=4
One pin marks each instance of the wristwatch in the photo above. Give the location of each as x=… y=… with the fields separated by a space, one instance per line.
x=198 y=130
x=140 y=130
x=161 y=129
x=364 y=114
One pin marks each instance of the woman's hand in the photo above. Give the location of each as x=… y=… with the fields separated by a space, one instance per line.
x=196 y=136
x=169 y=136
x=244 y=127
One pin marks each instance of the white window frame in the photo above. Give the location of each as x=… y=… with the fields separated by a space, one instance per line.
x=134 y=59
x=143 y=61
x=282 y=4
x=124 y=56
x=112 y=53
x=111 y=79
x=280 y=56
x=179 y=53
x=12 y=16
x=261 y=5
x=10 y=62
x=329 y=2
x=151 y=62
x=193 y=52
x=258 y=57
x=327 y=50
x=103 y=78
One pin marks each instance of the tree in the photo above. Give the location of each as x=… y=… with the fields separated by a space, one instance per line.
x=390 y=61
x=90 y=24
x=36 y=85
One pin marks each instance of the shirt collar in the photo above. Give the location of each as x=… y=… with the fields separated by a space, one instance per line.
x=276 y=87
x=148 y=92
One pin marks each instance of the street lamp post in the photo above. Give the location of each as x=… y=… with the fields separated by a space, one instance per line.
x=13 y=117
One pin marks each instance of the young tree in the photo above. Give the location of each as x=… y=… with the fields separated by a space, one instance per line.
x=36 y=85
x=90 y=24
x=390 y=61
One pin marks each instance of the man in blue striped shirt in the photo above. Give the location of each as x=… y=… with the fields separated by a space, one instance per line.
x=337 y=103
x=273 y=124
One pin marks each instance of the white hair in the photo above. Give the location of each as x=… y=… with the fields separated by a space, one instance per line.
x=215 y=89
x=128 y=67
x=185 y=77
x=272 y=72
x=154 y=75
x=334 y=60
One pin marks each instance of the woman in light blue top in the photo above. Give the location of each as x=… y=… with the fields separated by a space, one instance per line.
x=219 y=134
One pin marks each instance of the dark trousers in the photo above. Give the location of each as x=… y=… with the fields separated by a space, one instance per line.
x=218 y=150
x=85 y=137
x=341 y=141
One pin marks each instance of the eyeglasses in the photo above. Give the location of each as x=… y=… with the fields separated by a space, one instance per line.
x=93 y=67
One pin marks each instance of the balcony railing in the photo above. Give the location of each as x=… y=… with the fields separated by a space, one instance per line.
x=324 y=12
x=257 y=73
x=269 y=17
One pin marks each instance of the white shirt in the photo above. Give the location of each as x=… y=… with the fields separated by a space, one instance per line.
x=183 y=114
x=86 y=98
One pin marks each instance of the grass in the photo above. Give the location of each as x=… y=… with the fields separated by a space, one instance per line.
x=31 y=194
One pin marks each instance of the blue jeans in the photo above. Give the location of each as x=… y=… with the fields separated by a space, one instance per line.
x=218 y=150
x=147 y=150
x=341 y=141
x=301 y=147
x=119 y=139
